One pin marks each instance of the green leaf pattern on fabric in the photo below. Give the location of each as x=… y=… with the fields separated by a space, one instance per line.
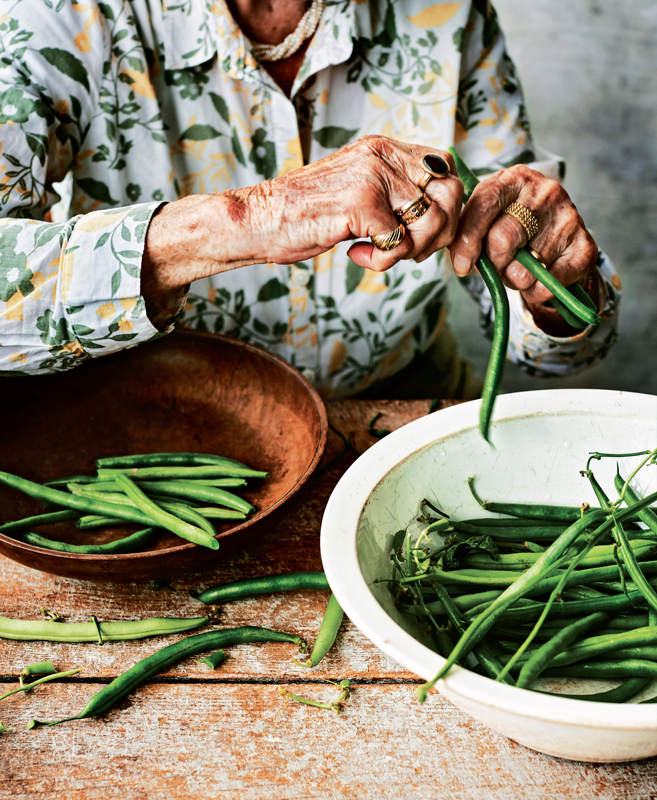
x=137 y=104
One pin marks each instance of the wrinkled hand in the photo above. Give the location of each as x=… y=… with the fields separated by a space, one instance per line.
x=563 y=242
x=351 y=194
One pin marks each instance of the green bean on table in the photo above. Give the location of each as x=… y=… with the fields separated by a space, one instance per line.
x=266 y=584
x=162 y=659
x=328 y=632
x=49 y=631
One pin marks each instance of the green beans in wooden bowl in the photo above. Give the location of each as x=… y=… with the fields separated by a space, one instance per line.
x=190 y=392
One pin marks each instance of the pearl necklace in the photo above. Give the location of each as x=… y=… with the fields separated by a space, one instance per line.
x=304 y=30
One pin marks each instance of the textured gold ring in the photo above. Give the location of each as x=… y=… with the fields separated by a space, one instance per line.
x=434 y=167
x=537 y=256
x=413 y=210
x=525 y=218
x=389 y=240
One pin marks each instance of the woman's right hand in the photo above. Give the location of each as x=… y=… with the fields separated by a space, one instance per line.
x=350 y=194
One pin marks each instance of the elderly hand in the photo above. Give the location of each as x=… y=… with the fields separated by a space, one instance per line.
x=563 y=242
x=350 y=194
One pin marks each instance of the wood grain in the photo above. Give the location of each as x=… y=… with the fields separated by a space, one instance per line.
x=221 y=741
x=225 y=734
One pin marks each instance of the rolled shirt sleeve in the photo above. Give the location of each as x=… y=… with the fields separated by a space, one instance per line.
x=72 y=291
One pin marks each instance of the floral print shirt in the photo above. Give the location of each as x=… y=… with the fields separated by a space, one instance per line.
x=121 y=105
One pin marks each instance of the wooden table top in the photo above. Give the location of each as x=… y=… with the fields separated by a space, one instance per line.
x=197 y=733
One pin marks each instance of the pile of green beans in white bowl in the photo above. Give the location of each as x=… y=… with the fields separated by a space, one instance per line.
x=539 y=454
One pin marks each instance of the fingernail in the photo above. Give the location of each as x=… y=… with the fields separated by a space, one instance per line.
x=462 y=265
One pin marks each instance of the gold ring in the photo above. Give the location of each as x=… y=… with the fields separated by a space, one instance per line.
x=435 y=167
x=537 y=256
x=389 y=240
x=525 y=218
x=413 y=210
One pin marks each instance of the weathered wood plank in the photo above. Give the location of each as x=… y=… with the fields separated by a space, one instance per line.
x=218 y=741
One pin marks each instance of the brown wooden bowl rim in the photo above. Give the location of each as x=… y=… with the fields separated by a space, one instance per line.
x=319 y=452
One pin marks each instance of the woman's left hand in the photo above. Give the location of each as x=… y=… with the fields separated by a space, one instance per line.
x=563 y=242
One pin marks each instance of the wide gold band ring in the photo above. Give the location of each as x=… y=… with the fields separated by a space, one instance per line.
x=413 y=210
x=435 y=167
x=389 y=240
x=525 y=218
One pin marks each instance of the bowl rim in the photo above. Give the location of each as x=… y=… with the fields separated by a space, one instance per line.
x=340 y=559
x=117 y=558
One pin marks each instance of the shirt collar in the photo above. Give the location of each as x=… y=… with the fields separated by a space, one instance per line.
x=195 y=31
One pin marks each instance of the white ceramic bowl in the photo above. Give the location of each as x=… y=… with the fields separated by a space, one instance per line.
x=542 y=440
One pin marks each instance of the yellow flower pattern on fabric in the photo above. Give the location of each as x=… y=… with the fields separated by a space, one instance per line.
x=144 y=103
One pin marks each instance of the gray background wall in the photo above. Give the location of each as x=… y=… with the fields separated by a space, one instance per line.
x=589 y=71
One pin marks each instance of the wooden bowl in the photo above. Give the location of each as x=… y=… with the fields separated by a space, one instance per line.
x=190 y=391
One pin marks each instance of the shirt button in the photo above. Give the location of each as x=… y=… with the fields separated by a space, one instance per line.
x=300 y=278
x=309 y=374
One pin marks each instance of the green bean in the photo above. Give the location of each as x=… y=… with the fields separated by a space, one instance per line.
x=484 y=577
x=166 y=459
x=111 y=485
x=128 y=544
x=566 y=313
x=489 y=664
x=78 y=502
x=28 y=630
x=602 y=555
x=616 y=603
x=160 y=473
x=214 y=660
x=162 y=659
x=544 y=276
x=163 y=518
x=548 y=280
x=482 y=624
x=513 y=522
x=71 y=479
x=541 y=658
x=26 y=687
x=178 y=509
x=266 y=584
x=628 y=689
x=632 y=668
x=192 y=490
x=629 y=559
x=648 y=652
x=37 y=521
x=40 y=668
x=544 y=533
x=626 y=622
x=212 y=512
x=497 y=360
x=600 y=645
x=646 y=515
x=579 y=293
x=92 y=521
x=328 y=632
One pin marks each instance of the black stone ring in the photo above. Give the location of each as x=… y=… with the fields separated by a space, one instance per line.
x=435 y=167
